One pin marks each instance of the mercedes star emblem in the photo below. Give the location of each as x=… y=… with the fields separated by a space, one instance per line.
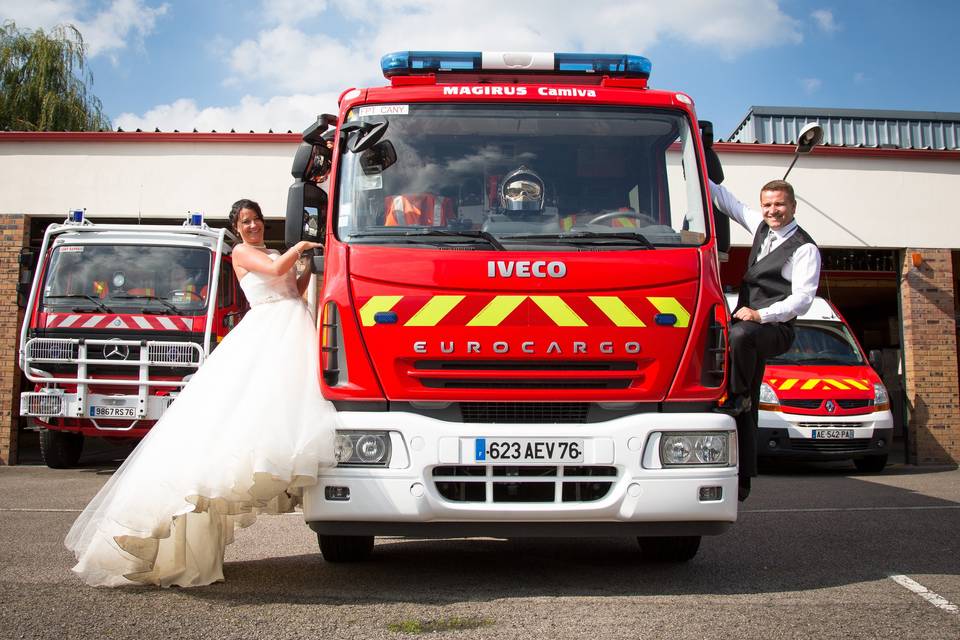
x=116 y=351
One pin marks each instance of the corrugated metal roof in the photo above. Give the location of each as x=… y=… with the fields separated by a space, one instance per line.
x=853 y=127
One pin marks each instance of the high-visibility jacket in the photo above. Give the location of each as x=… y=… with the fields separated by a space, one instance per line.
x=422 y=209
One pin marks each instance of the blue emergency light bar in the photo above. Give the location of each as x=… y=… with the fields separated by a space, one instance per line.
x=404 y=63
x=75 y=216
x=195 y=219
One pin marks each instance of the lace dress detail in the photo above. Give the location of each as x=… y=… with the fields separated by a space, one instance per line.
x=244 y=437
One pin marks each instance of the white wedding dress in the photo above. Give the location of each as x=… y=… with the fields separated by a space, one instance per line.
x=244 y=437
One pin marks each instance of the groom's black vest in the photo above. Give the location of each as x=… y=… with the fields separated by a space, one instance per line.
x=763 y=283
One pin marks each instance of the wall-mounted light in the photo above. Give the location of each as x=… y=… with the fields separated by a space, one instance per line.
x=916 y=259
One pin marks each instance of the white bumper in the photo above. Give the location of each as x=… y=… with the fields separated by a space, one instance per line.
x=791 y=435
x=643 y=497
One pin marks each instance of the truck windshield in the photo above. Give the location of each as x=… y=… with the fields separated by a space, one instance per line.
x=153 y=279
x=821 y=343
x=522 y=177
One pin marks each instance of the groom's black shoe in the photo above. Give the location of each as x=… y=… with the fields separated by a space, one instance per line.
x=734 y=405
x=743 y=489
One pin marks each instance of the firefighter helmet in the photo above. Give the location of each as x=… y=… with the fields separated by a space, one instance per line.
x=522 y=190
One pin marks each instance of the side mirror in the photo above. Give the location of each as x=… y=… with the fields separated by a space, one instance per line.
x=875 y=358
x=378 y=157
x=23 y=294
x=311 y=135
x=301 y=160
x=306 y=213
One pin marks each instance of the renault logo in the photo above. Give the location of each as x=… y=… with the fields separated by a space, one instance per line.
x=116 y=351
x=831 y=407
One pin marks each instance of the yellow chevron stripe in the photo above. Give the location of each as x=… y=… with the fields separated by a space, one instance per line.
x=836 y=384
x=496 y=311
x=671 y=305
x=375 y=305
x=788 y=384
x=434 y=311
x=559 y=311
x=810 y=384
x=858 y=384
x=618 y=312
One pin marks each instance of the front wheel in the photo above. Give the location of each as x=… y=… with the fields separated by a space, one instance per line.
x=60 y=449
x=871 y=464
x=345 y=548
x=669 y=548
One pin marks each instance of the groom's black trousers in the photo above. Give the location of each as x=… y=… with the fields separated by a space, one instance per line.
x=751 y=344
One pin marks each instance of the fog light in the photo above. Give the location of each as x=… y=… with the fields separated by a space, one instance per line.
x=343 y=448
x=695 y=448
x=340 y=494
x=772 y=444
x=711 y=494
x=371 y=448
x=881 y=444
x=362 y=448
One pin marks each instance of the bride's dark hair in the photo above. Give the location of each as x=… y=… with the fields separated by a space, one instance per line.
x=238 y=206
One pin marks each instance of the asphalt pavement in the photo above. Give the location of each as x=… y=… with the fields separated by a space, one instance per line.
x=820 y=551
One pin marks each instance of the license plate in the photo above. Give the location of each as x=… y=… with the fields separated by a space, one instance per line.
x=527 y=450
x=833 y=434
x=112 y=412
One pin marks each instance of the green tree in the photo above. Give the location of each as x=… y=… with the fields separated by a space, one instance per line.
x=45 y=83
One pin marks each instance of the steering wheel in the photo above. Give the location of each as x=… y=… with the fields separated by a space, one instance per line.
x=192 y=295
x=645 y=219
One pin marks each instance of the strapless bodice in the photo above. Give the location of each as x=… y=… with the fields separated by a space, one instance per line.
x=261 y=288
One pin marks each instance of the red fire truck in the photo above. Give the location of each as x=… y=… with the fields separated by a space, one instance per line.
x=522 y=322
x=118 y=319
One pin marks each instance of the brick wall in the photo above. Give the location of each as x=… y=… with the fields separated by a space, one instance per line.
x=930 y=356
x=14 y=234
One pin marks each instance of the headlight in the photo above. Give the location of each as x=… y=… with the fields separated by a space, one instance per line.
x=881 y=401
x=701 y=448
x=362 y=448
x=768 y=398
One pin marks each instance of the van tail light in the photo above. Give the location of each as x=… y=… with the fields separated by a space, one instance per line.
x=330 y=338
x=715 y=354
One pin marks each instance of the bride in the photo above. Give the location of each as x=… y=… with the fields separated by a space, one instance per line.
x=245 y=436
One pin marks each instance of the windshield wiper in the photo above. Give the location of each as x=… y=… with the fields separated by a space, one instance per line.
x=430 y=231
x=84 y=296
x=630 y=237
x=145 y=296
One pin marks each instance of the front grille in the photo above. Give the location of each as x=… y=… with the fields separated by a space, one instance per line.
x=534 y=484
x=854 y=404
x=525 y=412
x=802 y=404
x=112 y=358
x=47 y=349
x=41 y=404
x=830 y=446
x=526 y=374
x=830 y=425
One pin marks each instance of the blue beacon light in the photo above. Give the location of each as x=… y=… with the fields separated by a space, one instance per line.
x=76 y=216
x=425 y=62
x=195 y=219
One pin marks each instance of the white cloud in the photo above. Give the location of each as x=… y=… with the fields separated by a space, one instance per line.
x=811 y=85
x=825 y=21
x=104 y=32
x=280 y=113
x=290 y=11
x=298 y=52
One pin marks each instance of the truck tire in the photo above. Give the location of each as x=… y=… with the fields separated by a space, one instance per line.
x=60 y=449
x=669 y=549
x=345 y=548
x=871 y=464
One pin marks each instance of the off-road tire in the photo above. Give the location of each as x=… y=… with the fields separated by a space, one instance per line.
x=60 y=449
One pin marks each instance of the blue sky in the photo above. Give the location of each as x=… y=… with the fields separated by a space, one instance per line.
x=275 y=64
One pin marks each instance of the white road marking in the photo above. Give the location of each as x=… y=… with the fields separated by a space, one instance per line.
x=934 y=599
x=844 y=509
